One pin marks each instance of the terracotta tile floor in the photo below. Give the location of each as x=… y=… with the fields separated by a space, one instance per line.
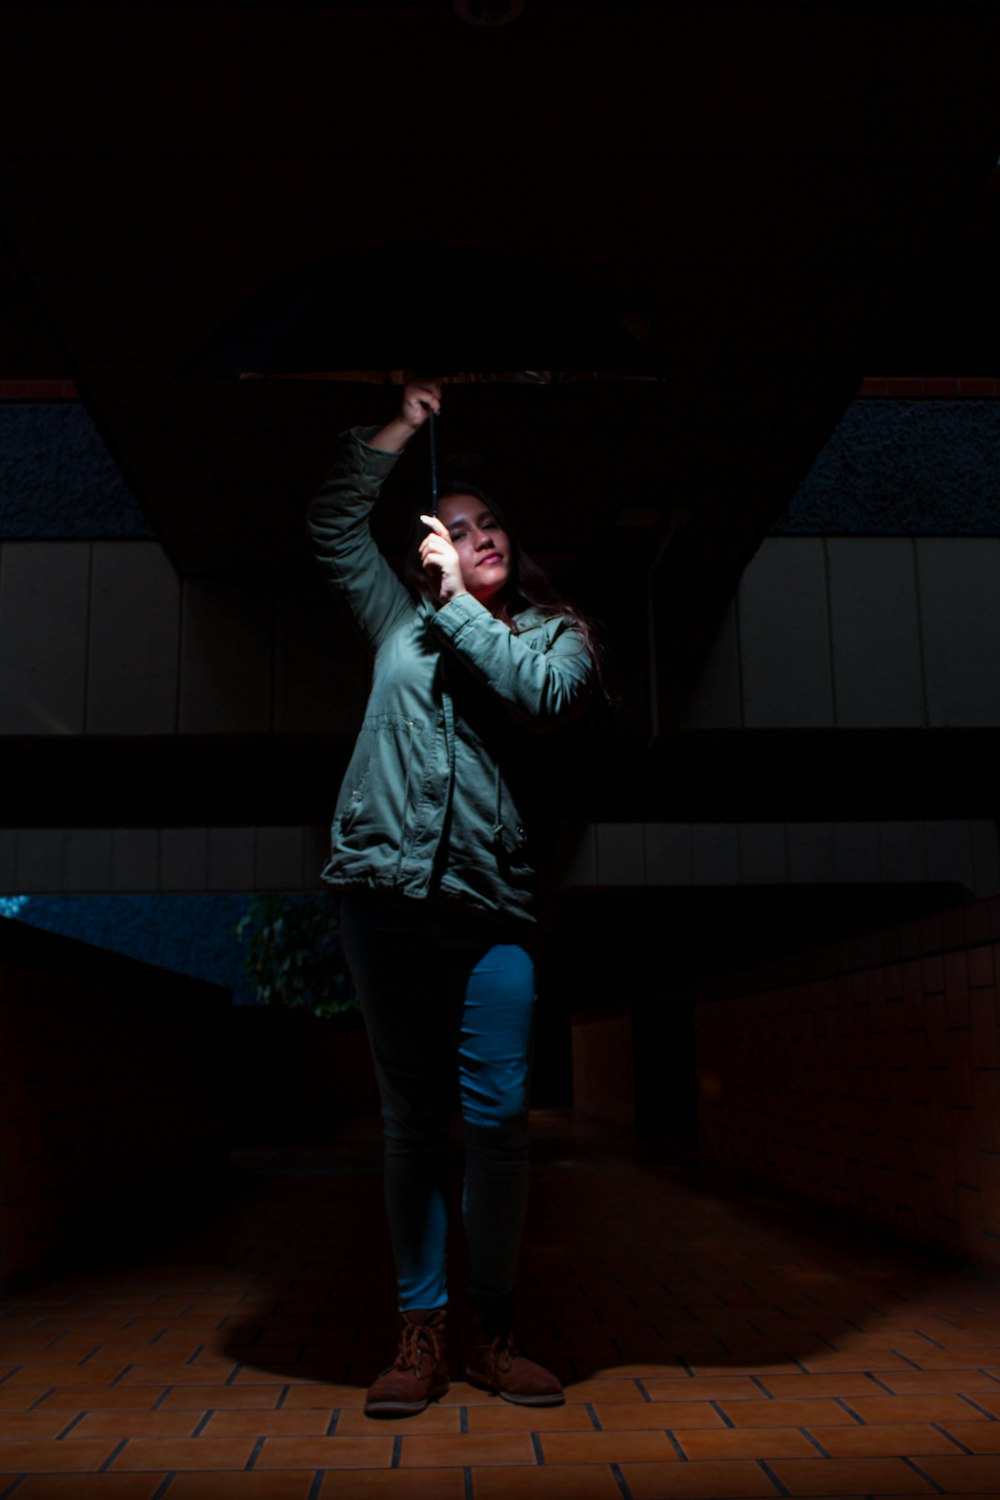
x=713 y=1344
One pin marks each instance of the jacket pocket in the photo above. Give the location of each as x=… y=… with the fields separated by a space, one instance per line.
x=375 y=791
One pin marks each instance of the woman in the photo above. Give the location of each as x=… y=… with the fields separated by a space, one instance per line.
x=434 y=845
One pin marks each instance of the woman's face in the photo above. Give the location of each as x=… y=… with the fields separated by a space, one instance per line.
x=483 y=547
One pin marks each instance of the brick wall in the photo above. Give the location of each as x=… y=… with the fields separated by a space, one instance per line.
x=864 y=1078
x=113 y=1079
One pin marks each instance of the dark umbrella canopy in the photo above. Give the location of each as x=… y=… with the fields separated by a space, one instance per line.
x=463 y=314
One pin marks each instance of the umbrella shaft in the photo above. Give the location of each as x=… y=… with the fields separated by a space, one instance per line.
x=434 y=467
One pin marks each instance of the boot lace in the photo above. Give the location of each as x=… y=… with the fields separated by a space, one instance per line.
x=417 y=1343
x=503 y=1353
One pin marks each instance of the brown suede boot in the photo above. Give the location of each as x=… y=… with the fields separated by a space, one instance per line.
x=493 y=1362
x=419 y=1373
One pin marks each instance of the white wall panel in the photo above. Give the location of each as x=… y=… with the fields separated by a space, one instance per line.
x=184 y=859
x=86 y=860
x=44 y=602
x=855 y=853
x=716 y=853
x=134 y=622
x=8 y=860
x=763 y=853
x=784 y=636
x=902 y=851
x=231 y=859
x=949 y=852
x=888 y=637
x=69 y=861
x=810 y=853
x=39 y=865
x=959 y=582
x=278 y=853
x=135 y=859
x=619 y=854
x=877 y=670
x=669 y=853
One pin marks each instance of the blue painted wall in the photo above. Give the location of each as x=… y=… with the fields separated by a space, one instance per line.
x=58 y=480
x=904 y=468
x=189 y=934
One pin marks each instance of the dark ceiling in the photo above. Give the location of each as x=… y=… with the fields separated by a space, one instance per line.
x=769 y=194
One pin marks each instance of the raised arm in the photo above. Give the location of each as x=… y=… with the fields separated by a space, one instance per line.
x=338 y=516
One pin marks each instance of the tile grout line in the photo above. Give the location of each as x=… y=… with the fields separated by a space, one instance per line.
x=717 y=1408
x=676 y=1445
x=621 y=1482
x=765 y=1467
x=975 y=1405
x=946 y=1434
x=912 y=1464
x=69 y=1428
x=841 y=1402
x=113 y=1455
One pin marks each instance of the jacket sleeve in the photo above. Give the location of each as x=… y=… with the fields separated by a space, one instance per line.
x=543 y=684
x=338 y=523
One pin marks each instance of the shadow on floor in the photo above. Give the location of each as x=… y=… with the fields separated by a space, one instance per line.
x=632 y=1265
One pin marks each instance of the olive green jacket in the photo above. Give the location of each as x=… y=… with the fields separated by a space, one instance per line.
x=443 y=794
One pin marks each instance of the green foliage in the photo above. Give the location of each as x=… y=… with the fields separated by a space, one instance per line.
x=293 y=954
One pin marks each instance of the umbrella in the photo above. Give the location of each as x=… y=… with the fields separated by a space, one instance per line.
x=468 y=315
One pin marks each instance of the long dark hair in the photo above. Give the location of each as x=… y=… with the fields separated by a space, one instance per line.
x=527 y=587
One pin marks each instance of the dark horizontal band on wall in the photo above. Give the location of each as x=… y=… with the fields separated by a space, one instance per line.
x=933 y=387
x=840 y=775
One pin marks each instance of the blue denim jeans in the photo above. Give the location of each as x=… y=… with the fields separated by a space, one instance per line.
x=447 y=999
